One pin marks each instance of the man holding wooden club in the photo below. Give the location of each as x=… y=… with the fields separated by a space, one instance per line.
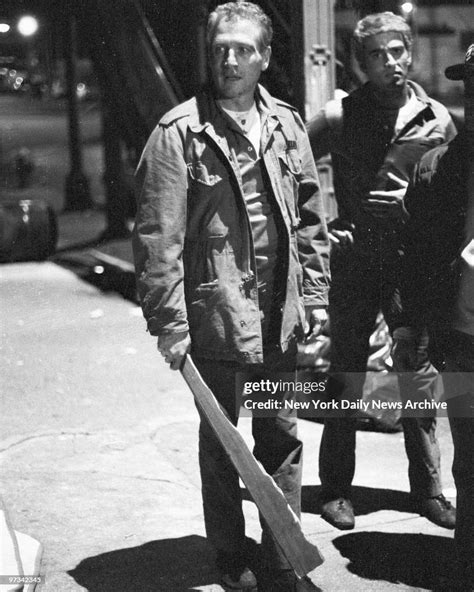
x=231 y=253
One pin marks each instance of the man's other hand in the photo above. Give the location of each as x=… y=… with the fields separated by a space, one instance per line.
x=316 y=318
x=173 y=347
x=341 y=239
x=340 y=234
x=388 y=204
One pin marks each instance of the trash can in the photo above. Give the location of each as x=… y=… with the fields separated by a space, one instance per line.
x=28 y=230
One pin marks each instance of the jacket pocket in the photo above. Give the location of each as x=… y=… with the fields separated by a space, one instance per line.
x=210 y=322
x=198 y=171
x=206 y=261
x=291 y=161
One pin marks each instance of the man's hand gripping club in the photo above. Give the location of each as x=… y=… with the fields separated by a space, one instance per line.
x=173 y=347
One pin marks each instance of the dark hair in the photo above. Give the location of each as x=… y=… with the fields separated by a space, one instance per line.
x=231 y=11
x=381 y=22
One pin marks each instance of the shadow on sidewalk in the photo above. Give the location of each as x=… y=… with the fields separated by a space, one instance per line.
x=108 y=274
x=170 y=565
x=365 y=499
x=416 y=560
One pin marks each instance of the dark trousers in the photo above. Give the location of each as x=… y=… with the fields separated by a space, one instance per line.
x=276 y=447
x=361 y=288
x=459 y=389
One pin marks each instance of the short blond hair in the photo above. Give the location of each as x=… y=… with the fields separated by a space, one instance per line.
x=232 y=11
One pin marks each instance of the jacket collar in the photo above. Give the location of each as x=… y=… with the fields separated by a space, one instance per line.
x=420 y=92
x=208 y=113
x=365 y=92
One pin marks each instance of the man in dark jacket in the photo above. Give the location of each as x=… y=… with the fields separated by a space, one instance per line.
x=438 y=289
x=375 y=136
x=231 y=253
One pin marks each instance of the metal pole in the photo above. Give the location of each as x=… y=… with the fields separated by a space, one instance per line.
x=117 y=205
x=77 y=185
x=201 y=14
x=318 y=27
x=319 y=55
x=298 y=52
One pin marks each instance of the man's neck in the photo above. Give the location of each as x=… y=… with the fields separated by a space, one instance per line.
x=237 y=104
x=393 y=98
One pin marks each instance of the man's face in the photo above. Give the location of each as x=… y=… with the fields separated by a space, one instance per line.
x=386 y=61
x=237 y=61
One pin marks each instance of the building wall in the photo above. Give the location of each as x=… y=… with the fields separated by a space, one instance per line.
x=445 y=32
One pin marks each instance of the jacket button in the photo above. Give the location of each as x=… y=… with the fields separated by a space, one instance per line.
x=242 y=323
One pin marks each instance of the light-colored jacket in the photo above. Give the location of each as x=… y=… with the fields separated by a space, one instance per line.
x=193 y=245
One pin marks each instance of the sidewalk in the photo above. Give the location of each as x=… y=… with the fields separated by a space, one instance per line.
x=99 y=452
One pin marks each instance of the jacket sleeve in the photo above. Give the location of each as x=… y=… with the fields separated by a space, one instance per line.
x=312 y=235
x=158 y=236
x=411 y=282
x=319 y=134
x=325 y=132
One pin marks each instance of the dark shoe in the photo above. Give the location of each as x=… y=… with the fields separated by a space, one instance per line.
x=278 y=581
x=245 y=581
x=439 y=511
x=339 y=513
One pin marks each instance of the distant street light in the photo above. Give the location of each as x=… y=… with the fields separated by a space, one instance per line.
x=27 y=26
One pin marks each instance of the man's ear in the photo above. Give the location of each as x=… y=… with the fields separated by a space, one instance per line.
x=266 y=54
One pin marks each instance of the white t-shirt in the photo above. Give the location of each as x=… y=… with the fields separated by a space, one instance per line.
x=249 y=122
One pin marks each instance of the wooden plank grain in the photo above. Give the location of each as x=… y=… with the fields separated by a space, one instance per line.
x=283 y=523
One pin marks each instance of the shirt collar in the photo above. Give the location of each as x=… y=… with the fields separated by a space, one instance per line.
x=208 y=111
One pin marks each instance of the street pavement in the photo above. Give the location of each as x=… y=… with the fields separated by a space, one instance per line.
x=99 y=463
x=98 y=447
